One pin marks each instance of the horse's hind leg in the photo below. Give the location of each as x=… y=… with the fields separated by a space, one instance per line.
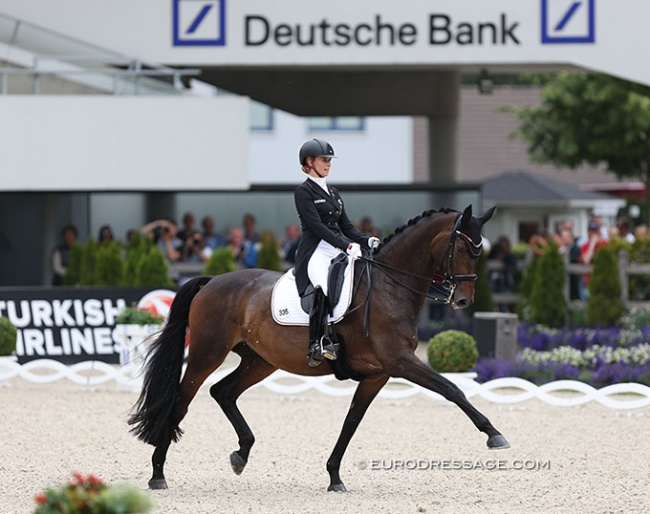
x=199 y=368
x=251 y=370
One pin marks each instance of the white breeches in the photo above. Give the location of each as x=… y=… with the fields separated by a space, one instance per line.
x=319 y=264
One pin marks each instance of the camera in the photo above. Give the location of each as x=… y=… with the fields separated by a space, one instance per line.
x=166 y=229
x=197 y=240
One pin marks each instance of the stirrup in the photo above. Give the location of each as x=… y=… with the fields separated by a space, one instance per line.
x=329 y=349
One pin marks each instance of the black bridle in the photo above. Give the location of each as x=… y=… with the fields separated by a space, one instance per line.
x=443 y=286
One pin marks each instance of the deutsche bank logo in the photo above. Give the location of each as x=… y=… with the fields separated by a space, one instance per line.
x=568 y=21
x=199 y=22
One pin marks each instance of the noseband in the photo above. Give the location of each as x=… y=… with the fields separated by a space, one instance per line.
x=444 y=285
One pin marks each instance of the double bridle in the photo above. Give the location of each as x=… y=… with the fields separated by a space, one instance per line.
x=444 y=285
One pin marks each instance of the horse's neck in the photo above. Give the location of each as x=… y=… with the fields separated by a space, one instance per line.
x=411 y=251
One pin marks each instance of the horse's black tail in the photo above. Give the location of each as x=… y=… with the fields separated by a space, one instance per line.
x=154 y=418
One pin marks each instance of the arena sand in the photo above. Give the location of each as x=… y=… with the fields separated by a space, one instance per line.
x=592 y=459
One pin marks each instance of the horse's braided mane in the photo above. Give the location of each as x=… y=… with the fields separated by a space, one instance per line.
x=413 y=221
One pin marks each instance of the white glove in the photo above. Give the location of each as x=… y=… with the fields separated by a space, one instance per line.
x=354 y=250
x=373 y=243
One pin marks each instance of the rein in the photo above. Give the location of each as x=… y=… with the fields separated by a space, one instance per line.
x=444 y=285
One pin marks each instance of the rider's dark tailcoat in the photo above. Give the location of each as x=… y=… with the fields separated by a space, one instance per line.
x=322 y=217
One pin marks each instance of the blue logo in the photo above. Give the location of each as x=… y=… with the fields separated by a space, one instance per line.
x=199 y=22
x=568 y=21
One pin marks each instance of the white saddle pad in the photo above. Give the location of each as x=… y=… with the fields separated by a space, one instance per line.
x=285 y=302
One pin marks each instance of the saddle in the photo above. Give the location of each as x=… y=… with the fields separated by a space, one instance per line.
x=288 y=308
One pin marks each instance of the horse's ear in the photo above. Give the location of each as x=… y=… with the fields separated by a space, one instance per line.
x=467 y=216
x=487 y=215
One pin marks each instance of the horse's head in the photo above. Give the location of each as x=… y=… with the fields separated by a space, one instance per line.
x=456 y=252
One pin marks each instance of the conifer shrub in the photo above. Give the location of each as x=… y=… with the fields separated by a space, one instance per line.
x=640 y=284
x=152 y=269
x=109 y=266
x=72 y=275
x=88 y=261
x=269 y=254
x=222 y=261
x=547 y=303
x=604 y=305
x=526 y=288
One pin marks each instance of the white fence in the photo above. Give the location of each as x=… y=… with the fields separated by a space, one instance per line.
x=563 y=393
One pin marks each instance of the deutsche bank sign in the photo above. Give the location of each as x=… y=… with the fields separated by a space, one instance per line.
x=203 y=23
x=568 y=21
x=199 y=22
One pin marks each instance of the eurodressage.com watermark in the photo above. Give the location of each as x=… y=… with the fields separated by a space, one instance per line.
x=454 y=465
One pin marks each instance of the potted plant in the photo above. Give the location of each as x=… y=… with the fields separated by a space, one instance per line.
x=135 y=328
x=8 y=337
x=85 y=494
x=453 y=351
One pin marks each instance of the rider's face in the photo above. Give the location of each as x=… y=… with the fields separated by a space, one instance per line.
x=321 y=165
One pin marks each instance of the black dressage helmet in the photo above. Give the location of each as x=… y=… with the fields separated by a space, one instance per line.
x=315 y=148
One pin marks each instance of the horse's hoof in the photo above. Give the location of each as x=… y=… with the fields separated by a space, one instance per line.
x=337 y=488
x=497 y=442
x=157 y=483
x=237 y=463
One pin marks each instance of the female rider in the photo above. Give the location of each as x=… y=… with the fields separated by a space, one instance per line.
x=326 y=232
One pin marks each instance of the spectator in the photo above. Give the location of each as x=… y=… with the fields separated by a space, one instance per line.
x=250 y=235
x=568 y=247
x=366 y=225
x=640 y=231
x=595 y=241
x=165 y=234
x=105 y=235
x=625 y=230
x=289 y=243
x=61 y=254
x=188 y=226
x=195 y=249
x=212 y=239
x=244 y=253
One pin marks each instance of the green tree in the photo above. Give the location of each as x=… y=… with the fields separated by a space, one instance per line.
x=73 y=271
x=222 y=261
x=88 y=260
x=604 y=305
x=589 y=118
x=269 y=254
x=109 y=266
x=547 y=303
x=152 y=269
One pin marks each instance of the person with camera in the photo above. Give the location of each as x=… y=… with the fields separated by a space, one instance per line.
x=326 y=233
x=195 y=249
x=165 y=235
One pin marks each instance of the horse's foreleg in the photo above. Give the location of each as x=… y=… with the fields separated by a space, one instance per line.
x=363 y=397
x=414 y=370
x=251 y=370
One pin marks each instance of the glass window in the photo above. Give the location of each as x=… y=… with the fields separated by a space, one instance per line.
x=336 y=123
x=261 y=116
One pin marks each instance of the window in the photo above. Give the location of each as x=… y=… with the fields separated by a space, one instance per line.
x=336 y=123
x=261 y=116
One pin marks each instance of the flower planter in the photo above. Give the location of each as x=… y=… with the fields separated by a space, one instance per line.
x=134 y=342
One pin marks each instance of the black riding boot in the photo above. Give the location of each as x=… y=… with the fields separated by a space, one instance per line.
x=320 y=346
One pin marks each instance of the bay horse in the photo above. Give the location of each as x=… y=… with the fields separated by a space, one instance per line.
x=232 y=312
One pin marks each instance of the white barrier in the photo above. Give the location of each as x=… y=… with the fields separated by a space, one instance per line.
x=513 y=390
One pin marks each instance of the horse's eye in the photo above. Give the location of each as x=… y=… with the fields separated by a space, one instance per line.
x=461 y=250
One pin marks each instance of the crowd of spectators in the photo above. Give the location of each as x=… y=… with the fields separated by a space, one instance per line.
x=189 y=244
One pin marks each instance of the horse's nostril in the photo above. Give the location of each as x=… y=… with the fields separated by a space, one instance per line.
x=462 y=303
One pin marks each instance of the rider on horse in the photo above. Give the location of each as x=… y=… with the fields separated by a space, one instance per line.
x=326 y=232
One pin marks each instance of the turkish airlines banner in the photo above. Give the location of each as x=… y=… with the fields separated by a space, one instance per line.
x=72 y=325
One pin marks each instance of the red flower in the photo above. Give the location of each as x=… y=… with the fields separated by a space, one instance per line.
x=41 y=498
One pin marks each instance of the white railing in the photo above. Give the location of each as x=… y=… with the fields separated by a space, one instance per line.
x=501 y=390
